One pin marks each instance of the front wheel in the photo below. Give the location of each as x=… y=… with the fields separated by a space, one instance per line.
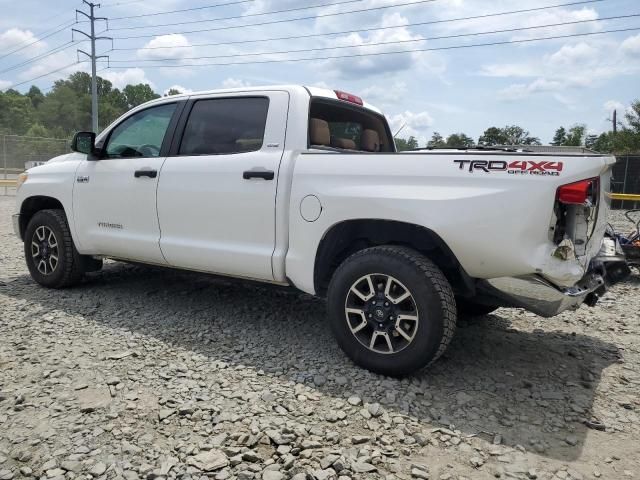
x=51 y=256
x=391 y=310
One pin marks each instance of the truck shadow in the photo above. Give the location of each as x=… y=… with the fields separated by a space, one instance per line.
x=531 y=388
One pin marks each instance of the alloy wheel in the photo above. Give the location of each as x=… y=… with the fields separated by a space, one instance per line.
x=381 y=313
x=44 y=250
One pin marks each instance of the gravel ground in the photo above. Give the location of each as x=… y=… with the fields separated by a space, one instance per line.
x=143 y=373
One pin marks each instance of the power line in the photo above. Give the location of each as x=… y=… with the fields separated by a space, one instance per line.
x=117 y=4
x=355 y=55
x=394 y=42
x=46 y=54
x=345 y=32
x=286 y=10
x=203 y=7
x=370 y=9
x=44 y=75
x=26 y=45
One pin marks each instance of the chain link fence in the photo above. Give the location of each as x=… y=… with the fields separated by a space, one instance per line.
x=18 y=153
x=626 y=179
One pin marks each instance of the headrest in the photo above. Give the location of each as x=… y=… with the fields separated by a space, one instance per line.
x=345 y=143
x=370 y=141
x=319 y=133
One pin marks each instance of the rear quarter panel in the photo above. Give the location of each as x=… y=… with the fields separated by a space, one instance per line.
x=496 y=223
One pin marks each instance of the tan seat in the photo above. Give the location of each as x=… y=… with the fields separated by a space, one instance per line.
x=370 y=141
x=345 y=143
x=319 y=133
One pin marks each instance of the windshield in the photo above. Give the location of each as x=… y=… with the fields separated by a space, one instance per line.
x=337 y=125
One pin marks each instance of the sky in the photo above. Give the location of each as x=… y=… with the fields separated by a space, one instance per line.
x=435 y=86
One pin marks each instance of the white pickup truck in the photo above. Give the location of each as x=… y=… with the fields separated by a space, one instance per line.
x=303 y=187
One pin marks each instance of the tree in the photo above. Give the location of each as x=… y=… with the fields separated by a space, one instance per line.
x=459 y=140
x=16 y=112
x=406 y=144
x=138 y=94
x=509 y=135
x=492 y=136
x=575 y=137
x=516 y=135
x=172 y=91
x=436 y=141
x=560 y=137
x=36 y=96
x=633 y=117
x=590 y=141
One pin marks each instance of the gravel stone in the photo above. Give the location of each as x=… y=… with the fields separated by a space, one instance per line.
x=142 y=373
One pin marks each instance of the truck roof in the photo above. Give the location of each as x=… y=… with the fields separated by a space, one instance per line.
x=321 y=92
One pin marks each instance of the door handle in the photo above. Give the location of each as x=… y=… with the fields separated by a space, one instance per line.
x=145 y=173
x=264 y=174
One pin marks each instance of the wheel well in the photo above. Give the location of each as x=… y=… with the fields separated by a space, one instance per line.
x=346 y=238
x=32 y=205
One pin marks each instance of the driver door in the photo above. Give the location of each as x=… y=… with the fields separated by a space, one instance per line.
x=114 y=196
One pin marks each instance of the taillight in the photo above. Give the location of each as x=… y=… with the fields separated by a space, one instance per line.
x=347 y=97
x=584 y=192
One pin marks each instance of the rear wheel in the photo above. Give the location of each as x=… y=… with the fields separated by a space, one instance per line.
x=391 y=310
x=51 y=256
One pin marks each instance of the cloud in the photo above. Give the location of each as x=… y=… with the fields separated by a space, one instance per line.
x=384 y=95
x=631 y=46
x=611 y=105
x=414 y=124
x=174 y=46
x=52 y=63
x=450 y=10
x=15 y=38
x=130 y=76
x=369 y=54
x=572 y=66
x=235 y=83
x=179 y=88
x=570 y=55
x=5 y=84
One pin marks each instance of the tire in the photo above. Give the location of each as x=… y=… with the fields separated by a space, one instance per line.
x=410 y=334
x=48 y=228
x=469 y=308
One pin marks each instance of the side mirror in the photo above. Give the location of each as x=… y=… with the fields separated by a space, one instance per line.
x=84 y=142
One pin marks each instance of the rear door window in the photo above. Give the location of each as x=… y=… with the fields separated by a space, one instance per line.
x=225 y=126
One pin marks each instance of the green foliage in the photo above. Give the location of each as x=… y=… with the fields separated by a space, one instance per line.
x=575 y=137
x=493 y=136
x=406 y=144
x=459 y=140
x=172 y=91
x=509 y=135
x=16 y=113
x=67 y=107
x=560 y=137
x=437 y=141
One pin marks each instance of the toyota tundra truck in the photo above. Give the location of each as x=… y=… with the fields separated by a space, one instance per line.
x=303 y=187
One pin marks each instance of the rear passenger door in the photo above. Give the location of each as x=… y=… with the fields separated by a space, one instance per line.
x=217 y=189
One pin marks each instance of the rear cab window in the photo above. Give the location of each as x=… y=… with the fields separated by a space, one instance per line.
x=337 y=125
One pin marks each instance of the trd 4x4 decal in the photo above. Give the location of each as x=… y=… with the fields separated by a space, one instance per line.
x=518 y=167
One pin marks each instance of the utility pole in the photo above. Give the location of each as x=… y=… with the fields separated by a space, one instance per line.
x=94 y=82
x=615 y=122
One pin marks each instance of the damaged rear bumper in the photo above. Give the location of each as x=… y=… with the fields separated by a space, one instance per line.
x=538 y=295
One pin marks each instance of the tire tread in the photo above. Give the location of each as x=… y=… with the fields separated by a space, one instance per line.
x=436 y=277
